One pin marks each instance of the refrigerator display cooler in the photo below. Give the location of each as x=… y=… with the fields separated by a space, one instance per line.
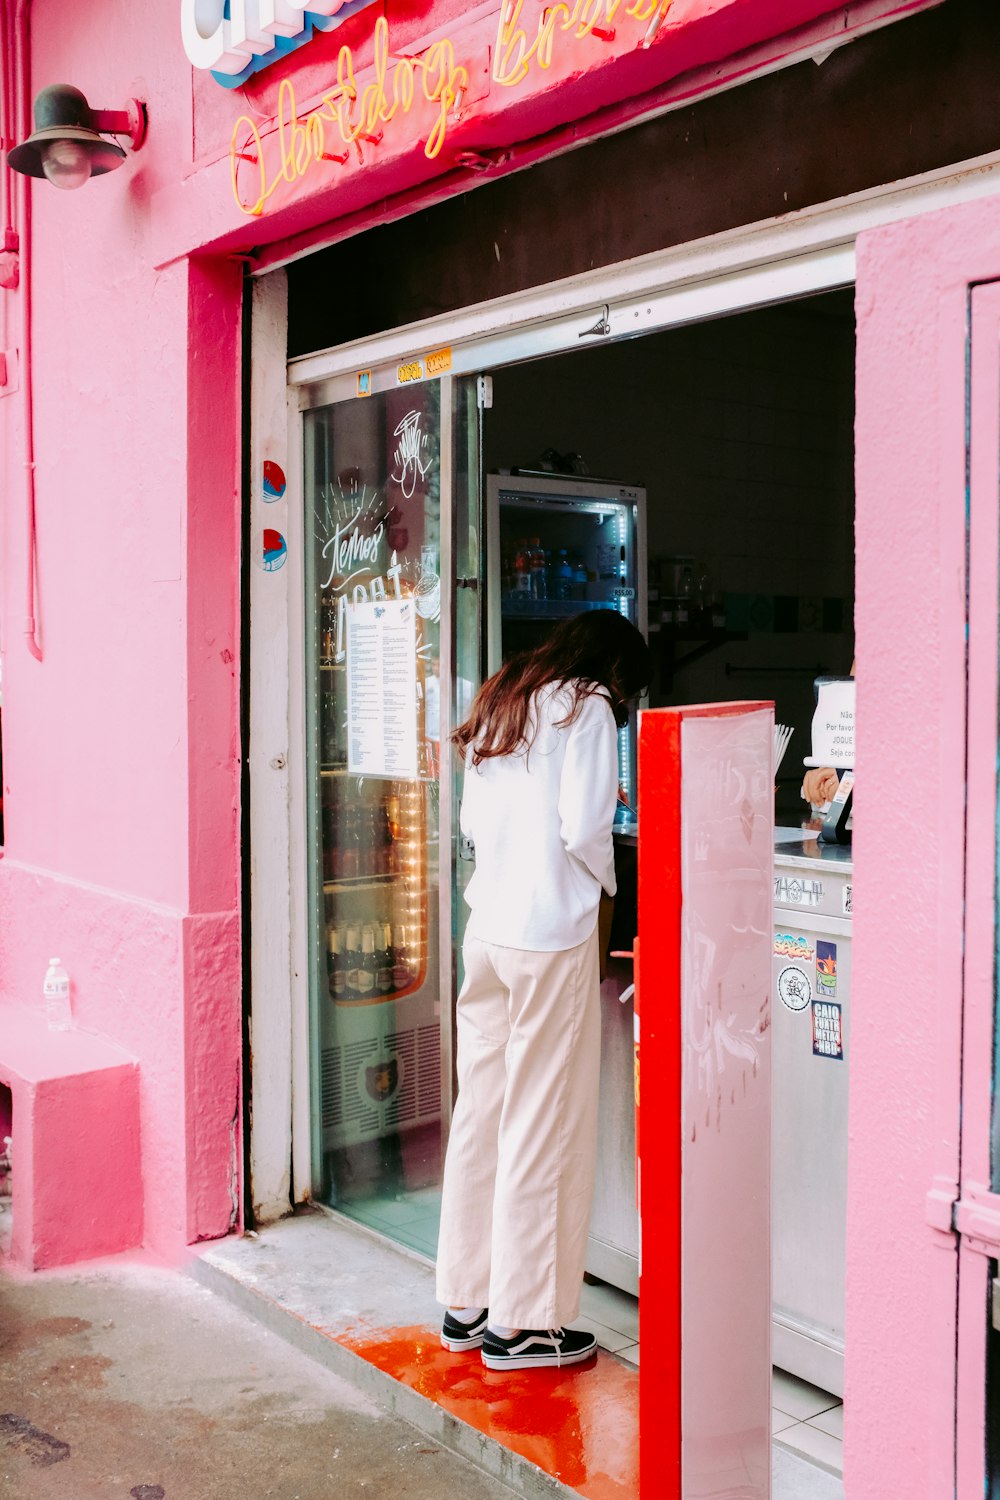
x=380 y=1035
x=556 y=546
x=373 y=683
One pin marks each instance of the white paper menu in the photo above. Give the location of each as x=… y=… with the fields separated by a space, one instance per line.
x=382 y=688
x=833 y=725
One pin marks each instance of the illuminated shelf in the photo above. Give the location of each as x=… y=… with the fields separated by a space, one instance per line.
x=359 y=882
x=401 y=780
x=553 y=609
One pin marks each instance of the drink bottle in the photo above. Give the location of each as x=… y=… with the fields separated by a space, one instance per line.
x=384 y=978
x=335 y=964
x=522 y=572
x=579 y=585
x=402 y=971
x=564 y=576
x=536 y=568
x=366 y=973
x=350 y=849
x=56 y=997
x=370 y=843
x=328 y=824
x=352 y=972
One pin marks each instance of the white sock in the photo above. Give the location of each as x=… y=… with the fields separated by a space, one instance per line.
x=501 y=1332
x=466 y=1314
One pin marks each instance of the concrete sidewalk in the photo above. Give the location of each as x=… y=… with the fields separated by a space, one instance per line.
x=130 y=1380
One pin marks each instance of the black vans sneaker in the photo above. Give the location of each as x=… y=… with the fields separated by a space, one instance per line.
x=458 y=1336
x=537 y=1348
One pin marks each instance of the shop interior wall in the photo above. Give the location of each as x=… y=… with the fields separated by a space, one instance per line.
x=916 y=96
x=741 y=431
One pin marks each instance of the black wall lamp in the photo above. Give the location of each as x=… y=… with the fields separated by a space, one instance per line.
x=67 y=144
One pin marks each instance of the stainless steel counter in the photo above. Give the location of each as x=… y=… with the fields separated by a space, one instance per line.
x=811 y=1020
x=613 y=1248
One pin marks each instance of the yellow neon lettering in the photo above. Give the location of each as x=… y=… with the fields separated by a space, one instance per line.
x=252 y=144
x=514 y=55
x=645 y=10
x=296 y=146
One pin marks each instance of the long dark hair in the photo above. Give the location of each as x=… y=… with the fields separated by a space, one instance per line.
x=595 y=652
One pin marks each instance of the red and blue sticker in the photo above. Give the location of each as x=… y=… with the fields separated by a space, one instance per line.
x=274 y=481
x=275 y=550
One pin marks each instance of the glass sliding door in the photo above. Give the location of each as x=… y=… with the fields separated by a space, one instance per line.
x=381 y=475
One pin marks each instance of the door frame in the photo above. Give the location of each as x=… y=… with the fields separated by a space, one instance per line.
x=918 y=1128
x=977 y=1210
x=332 y=377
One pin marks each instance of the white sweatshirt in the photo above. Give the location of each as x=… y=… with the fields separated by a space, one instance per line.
x=541 y=823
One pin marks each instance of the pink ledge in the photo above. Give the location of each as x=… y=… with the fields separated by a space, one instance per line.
x=77 y=1181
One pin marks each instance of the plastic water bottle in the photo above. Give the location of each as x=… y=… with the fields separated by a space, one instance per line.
x=536 y=569
x=55 y=993
x=564 y=576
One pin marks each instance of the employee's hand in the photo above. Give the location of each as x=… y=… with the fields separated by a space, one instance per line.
x=820 y=785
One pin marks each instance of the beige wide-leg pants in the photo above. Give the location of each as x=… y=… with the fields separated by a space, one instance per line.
x=519 y=1174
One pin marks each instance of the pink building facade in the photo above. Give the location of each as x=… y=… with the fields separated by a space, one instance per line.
x=146 y=322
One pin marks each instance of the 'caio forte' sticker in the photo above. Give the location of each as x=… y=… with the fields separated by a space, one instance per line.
x=828 y=1035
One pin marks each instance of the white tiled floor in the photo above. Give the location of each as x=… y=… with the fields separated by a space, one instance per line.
x=805 y=1421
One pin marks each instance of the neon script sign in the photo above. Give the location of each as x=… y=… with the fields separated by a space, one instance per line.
x=233 y=39
x=432 y=83
x=515 y=54
x=346 y=117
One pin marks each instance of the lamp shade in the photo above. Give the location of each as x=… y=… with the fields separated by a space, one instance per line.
x=62 y=115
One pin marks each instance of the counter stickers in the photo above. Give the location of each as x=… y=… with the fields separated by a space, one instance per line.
x=791 y=891
x=826 y=968
x=828 y=1037
x=364 y=382
x=848 y=900
x=408 y=373
x=438 y=363
x=794 y=988
x=786 y=945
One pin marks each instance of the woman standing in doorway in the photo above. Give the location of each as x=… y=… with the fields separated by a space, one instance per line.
x=541 y=753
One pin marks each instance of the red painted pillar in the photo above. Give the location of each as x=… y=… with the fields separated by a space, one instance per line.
x=703 y=1097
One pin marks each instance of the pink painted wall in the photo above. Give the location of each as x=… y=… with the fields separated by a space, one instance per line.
x=121 y=748
x=912 y=297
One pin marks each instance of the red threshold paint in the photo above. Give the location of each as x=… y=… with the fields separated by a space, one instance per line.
x=581 y=1425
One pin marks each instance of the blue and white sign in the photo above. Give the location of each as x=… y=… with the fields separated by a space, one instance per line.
x=233 y=39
